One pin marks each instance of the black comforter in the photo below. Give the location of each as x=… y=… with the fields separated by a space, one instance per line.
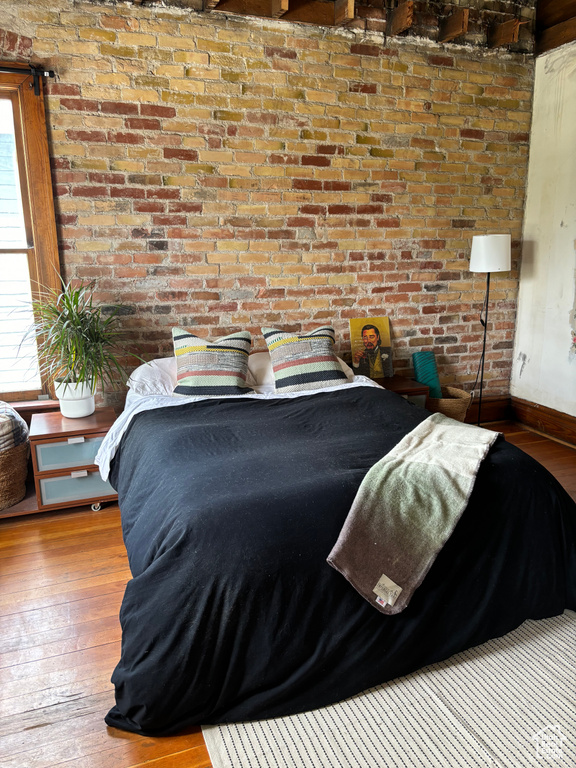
x=229 y=510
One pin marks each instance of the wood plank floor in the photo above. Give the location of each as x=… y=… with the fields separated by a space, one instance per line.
x=62 y=577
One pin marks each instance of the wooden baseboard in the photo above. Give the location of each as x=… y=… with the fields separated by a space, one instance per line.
x=560 y=425
x=494 y=408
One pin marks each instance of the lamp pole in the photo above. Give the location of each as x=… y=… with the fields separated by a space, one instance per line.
x=484 y=323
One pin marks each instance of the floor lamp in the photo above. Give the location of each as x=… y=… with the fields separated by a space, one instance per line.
x=490 y=253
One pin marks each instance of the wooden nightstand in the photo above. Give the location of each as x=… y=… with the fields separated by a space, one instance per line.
x=410 y=390
x=63 y=452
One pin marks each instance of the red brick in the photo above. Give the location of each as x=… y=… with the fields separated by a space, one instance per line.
x=123 y=137
x=130 y=272
x=59 y=162
x=271 y=293
x=117 y=22
x=266 y=118
x=282 y=53
x=86 y=136
x=163 y=193
x=133 y=193
x=326 y=245
x=169 y=220
x=433 y=244
x=119 y=108
x=471 y=133
x=275 y=159
x=341 y=210
x=66 y=219
x=10 y=42
x=329 y=149
x=171 y=295
x=319 y=160
x=183 y=207
x=61 y=89
x=148 y=207
x=337 y=186
x=80 y=105
x=440 y=61
x=142 y=124
x=69 y=177
x=300 y=221
x=89 y=191
x=176 y=153
x=306 y=184
x=363 y=88
x=177 y=233
x=212 y=129
x=366 y=50
x=153 y=110
x=24 y=46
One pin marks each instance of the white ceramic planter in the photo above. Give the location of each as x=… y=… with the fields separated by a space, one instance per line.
x=76 y=400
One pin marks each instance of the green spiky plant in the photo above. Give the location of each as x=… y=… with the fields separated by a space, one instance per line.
x=79 y=341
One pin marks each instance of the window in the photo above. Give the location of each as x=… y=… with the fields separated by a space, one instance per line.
x=28 y=243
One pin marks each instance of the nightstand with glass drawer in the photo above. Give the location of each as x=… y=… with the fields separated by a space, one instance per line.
x=63 y=452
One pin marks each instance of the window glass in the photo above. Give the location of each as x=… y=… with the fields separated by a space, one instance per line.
x=18 y=359
x=12 y=230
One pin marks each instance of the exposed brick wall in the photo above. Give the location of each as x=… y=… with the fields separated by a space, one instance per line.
x=222 y=173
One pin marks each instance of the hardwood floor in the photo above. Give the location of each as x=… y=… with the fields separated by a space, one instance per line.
x=62 y=577
x=558 y=458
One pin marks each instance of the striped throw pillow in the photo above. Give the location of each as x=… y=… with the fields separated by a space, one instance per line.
x=211 y=368
x=303 y=360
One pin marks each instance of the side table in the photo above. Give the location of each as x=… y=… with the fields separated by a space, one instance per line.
x=63 y=452
x=409 y=389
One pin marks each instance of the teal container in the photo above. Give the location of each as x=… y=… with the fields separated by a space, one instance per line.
x=425 y=371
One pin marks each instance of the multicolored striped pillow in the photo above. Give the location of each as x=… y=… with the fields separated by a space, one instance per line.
x=212 y=368
x=304 y=360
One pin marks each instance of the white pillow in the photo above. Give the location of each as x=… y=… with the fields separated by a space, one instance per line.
x=158 y=377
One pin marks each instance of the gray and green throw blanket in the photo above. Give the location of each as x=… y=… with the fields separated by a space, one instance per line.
x=406 y=509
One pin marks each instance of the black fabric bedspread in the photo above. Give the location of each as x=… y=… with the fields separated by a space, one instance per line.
x=229 y=510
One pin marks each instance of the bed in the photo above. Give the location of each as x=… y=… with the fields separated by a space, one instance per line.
x=230 y=506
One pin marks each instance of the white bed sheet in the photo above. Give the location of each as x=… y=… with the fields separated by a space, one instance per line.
x=137 y=403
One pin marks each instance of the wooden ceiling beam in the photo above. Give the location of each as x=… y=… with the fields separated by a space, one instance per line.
x=552 y=12
x=559 y=34
x=455 y=25
x=272 y=9
x=326 y=14
x=400 y=18
x=504 y=33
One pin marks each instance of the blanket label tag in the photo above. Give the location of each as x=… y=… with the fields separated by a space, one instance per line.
x=387 y=591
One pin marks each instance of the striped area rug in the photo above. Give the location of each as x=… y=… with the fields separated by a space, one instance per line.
x=510 y=703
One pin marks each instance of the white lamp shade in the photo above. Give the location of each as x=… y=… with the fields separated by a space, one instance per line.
x=490 y=253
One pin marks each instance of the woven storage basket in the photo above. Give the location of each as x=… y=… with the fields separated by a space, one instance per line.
x=13 y=471
x=455 y=403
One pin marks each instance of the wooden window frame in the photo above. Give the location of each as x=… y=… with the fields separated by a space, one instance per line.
x=31 y=139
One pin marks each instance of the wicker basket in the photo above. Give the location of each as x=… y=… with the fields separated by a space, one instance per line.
x=455 y=403
x=13 y=471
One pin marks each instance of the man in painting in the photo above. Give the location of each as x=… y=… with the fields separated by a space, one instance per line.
x=370 y=360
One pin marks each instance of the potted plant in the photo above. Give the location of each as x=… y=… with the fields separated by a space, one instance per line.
x=79 y=345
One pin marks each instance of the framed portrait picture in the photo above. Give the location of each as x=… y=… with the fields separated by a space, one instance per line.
x=371 y=347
